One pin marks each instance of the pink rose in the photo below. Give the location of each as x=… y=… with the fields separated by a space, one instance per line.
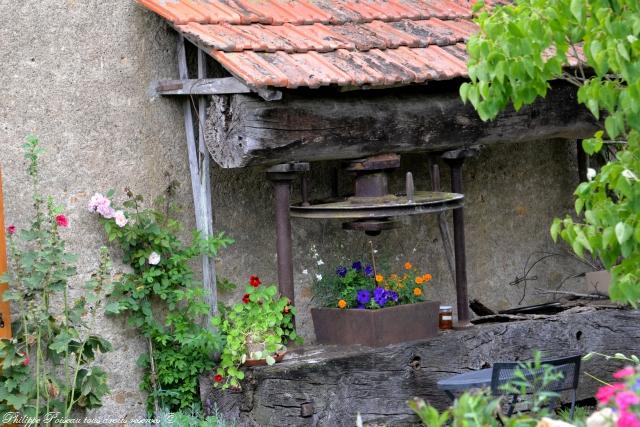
x=625 y=372
x=121 y=220
x=604 y=394
x=624 y=399
x=11 y=229
x=62 y=221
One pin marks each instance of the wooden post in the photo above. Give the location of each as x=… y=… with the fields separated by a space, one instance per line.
x=199 y=167
x=5 y=314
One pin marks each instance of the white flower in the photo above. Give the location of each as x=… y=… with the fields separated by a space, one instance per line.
x=154 y=258
x=602 y=418
x=318 y=276
x=629 y=175
x=121 y=220
x=305 y=271
x=591 y=173
x=320 y=262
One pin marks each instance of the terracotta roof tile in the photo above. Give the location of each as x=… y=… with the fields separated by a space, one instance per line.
x=312 y=43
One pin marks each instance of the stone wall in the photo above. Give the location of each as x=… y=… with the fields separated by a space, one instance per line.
x=75 y=73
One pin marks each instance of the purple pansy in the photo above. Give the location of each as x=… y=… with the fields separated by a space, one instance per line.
x=380 y=296
x=368 y=270
x=341 y=271
x=364 y=296
x=391 y=296
x=357 y=266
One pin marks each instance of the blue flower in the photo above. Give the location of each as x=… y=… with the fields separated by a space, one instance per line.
x=391 y=296
x=380 y=296
x=341 y=271
x=361 y=307
x=357 y=266
x=368 y=270
x=364 y=296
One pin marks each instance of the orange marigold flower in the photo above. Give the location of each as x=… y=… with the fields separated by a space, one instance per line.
x=407 y=265
x=379 y=278
x=426 y=277
x=419 y=280
x=417 y=292
x=342 y=304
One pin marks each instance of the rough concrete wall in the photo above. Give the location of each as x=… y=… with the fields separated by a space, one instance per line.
x=513 y=193
x=75 y=72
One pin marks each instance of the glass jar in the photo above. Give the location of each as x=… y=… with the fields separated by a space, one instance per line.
x=446 y=317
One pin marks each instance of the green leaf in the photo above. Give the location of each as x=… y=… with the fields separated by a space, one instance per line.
x=577 y=9
x=623 y=232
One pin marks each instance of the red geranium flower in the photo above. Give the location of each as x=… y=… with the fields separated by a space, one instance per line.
x=217 y=378
x=26 y=360
x=11 y=229
x=62 y=221
x=254 y=281
x=245 y=299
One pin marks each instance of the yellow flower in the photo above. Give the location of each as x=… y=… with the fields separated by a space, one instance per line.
x=379 y=278
x=407 y=265
x=419 y=280
x=417 y=292
x=342 y=304
x=426 y=277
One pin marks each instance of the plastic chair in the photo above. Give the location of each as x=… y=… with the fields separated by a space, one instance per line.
x=503 y=372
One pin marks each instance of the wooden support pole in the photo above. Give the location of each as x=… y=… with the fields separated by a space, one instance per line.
x=199 y=168
x=5 y=314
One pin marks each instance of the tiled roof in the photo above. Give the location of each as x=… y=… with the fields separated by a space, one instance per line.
x=314 y=43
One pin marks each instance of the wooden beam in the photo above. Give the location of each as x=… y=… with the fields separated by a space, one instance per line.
x=5 y=307
x=329 y=385
x=200 y=86
x=198 y=162
x=245 y=131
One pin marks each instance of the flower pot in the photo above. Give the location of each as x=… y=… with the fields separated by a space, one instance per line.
x=376 y=328
x=250 y=363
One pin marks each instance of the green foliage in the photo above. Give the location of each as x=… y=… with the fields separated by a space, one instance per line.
x=191 y=417
x=519 y=49
x=163 y=300
x=480 y=409
x=257 y=328
x=50 y=364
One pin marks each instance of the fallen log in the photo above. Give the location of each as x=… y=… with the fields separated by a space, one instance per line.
x=244 y=130
x=328 y=385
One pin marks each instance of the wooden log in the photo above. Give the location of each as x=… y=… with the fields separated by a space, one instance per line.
x=244 y=130
x=328 y=386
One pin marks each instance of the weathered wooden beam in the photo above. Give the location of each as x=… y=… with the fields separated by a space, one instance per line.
x=328 y=386
x=199 y=169
x=243 y=130
x=200 y=86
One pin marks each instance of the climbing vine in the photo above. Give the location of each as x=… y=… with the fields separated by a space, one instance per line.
x=161 y=297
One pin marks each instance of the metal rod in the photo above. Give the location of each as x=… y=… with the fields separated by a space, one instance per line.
x=304 y=189
x=282 y=189
x=459 y=245
x=410 y=188
x=445 y=235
